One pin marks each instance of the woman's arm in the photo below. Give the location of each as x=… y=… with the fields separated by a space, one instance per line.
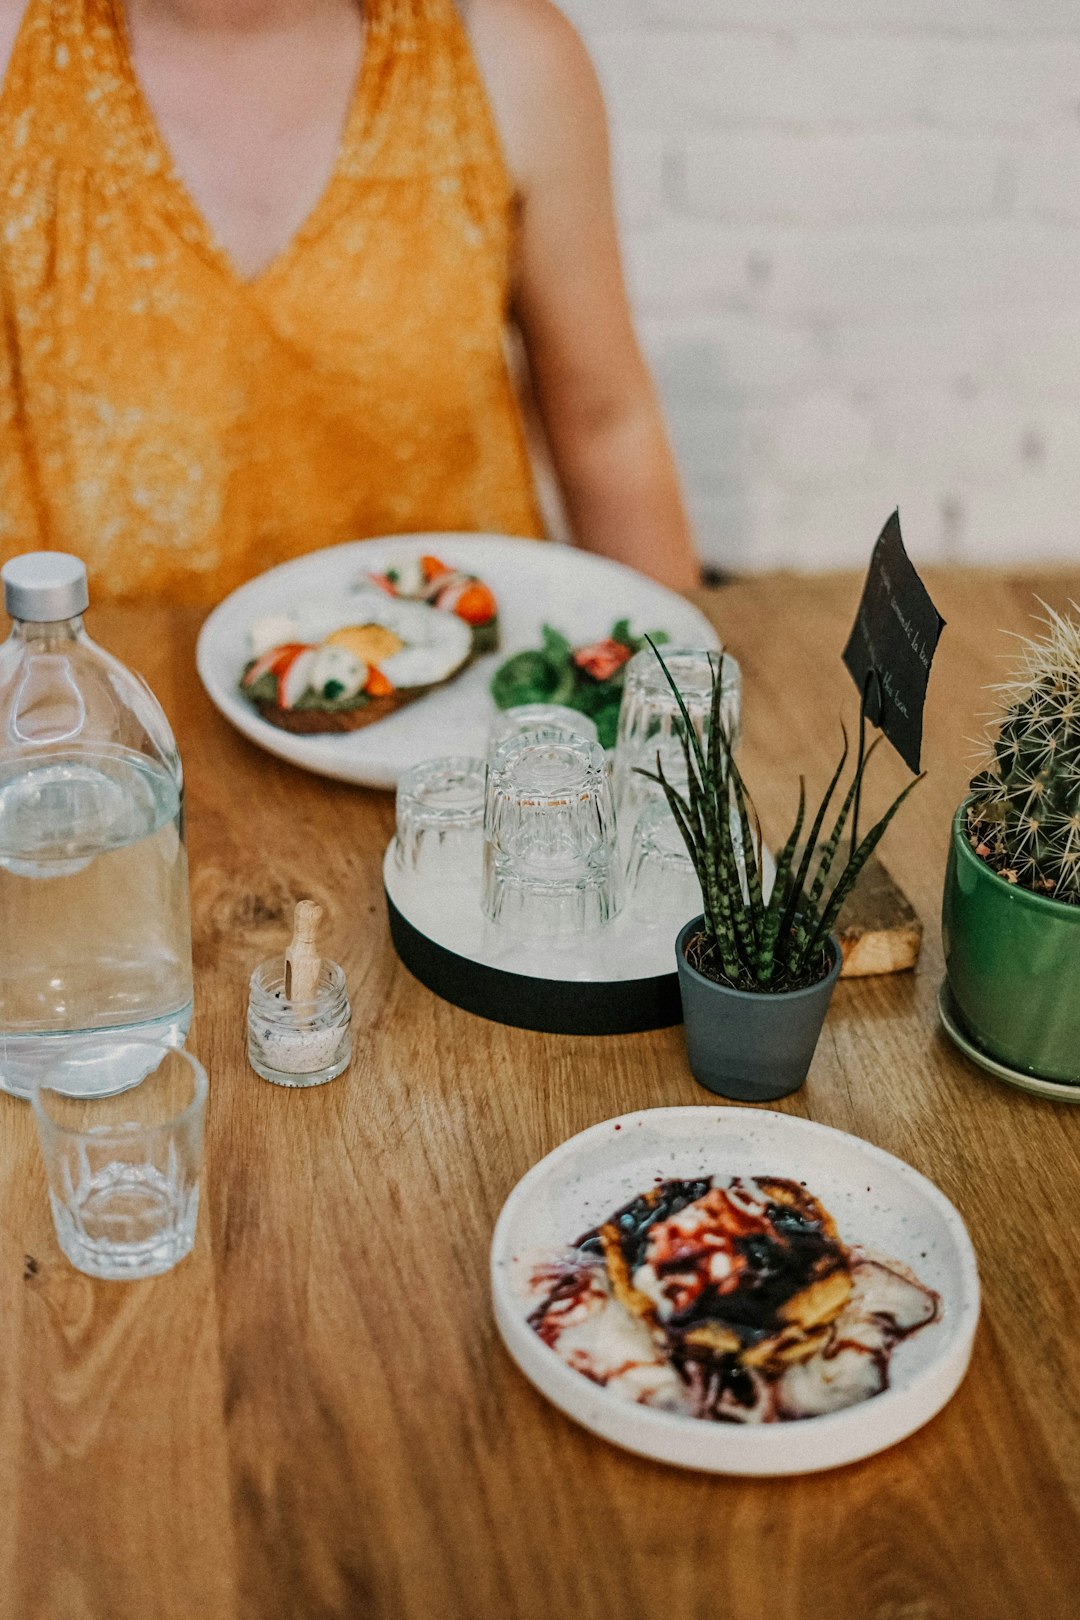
x=596 y=398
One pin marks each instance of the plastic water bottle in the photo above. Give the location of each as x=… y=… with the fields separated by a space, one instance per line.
x=95 y=936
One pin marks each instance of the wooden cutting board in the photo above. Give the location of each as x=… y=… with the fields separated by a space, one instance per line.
x=877 y=927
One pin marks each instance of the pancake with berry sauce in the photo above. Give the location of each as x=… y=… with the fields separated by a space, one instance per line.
x=754 y=1270
x=736 y=1302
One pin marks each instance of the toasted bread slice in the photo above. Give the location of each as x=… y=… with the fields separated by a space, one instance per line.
x=313 y=722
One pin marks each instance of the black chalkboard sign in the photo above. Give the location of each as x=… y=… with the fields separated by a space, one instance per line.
x=892 y=644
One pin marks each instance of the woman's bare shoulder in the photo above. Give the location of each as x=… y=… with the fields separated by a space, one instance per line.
x=523 y=19
x=11 y=15
x=538 y=75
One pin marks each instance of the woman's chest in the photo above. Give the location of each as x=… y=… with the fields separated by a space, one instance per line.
x=253 y=126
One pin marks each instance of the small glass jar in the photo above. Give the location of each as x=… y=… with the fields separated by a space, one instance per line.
x=298 y=1043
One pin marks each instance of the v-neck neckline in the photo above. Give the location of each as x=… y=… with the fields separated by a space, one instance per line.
x=190 y=217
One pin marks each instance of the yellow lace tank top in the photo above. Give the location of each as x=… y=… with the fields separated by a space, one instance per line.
x=182 y=428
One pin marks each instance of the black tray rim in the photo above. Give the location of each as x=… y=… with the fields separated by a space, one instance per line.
x=548 y=1006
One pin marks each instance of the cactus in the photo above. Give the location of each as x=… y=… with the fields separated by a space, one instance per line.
x=1024 y=814
x=752 y=941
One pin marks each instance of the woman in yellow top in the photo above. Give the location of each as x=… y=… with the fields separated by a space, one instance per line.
x=257 y=264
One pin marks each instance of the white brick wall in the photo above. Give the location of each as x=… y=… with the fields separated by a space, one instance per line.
x=852 y=235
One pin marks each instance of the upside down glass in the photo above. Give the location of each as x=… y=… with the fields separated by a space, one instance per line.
x=661 y=884
x=549 y=837
x=649 y=714
x=440 y=819
x=528 y=717
x=123 y=1170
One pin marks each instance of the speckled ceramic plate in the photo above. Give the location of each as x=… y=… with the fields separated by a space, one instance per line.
x=952 y=1024
x=578 y=593
x=879 y=1203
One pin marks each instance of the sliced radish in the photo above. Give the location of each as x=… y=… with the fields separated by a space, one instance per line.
x=450 y=592
x=295 y=679
x=274 y=661
x=445 y=584
x=384 y=584
x=602 y=658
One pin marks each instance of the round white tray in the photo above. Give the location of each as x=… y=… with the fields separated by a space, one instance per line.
x=614 y=980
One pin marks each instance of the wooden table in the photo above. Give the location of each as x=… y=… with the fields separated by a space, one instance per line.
x=313 y=1416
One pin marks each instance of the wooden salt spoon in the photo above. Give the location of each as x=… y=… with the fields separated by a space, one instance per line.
x=302 y=960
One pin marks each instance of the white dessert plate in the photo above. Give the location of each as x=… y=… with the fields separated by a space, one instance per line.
x=534 y=584
x=878 y=1202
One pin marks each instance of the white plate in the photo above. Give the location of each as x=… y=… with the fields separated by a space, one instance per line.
x=534 y=583
x=879 y=1202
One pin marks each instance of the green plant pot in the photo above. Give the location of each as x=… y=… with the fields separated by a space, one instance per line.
x=1013 y=963
x=745 y=1044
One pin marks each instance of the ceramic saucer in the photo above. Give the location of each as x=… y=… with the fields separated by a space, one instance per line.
x=1058 y=1090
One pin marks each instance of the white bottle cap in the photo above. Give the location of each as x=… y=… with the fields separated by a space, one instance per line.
x=43 y=586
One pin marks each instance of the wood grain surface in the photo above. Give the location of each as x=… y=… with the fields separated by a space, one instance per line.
x=313 y=1418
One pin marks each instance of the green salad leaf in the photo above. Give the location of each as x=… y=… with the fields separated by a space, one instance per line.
x=556 y=647
x=549 y=674
x=532 y=677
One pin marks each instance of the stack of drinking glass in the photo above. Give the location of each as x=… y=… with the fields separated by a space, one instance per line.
x=560 y=840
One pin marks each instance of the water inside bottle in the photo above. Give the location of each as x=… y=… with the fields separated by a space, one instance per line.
x=94 y=924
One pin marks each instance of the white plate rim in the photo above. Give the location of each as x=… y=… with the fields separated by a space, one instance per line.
x=336 y=762
x=806 y=1446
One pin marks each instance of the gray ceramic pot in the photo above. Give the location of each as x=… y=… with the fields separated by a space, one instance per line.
x=748 y=1044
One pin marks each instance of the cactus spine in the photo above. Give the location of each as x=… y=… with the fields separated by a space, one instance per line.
x=1025 y=810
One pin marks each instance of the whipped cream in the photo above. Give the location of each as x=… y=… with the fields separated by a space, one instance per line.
x=590 y=1331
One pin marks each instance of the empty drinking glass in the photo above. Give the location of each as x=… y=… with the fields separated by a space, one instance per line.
x=661 y=884
x=549 y=837
x=440 y=819
x=545 y=717
x=648 y=715
x=123 y=1171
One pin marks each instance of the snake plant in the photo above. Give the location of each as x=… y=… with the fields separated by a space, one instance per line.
x=752 y=941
